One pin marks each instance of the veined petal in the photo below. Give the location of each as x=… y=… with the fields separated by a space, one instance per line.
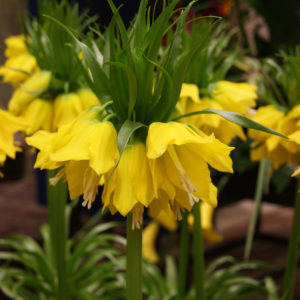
x=140 y=175
x=130 y=186
x=124 y=197
x=102 y=147
x=161 y=135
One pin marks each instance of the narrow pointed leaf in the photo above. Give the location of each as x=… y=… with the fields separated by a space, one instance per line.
x=233 y=117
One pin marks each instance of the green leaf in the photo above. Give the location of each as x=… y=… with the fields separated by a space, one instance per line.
x=271 y=289
x=171 y=275
x=132 y=85
x=233 y=117
x=218 y=263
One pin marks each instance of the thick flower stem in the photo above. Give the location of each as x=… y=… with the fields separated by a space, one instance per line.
x=198 y=254
x=264 y=167
x=134 y=262
x=183 y=255
x=57 y=198
x=292 y=256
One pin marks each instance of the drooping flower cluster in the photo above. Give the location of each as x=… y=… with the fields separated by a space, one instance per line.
x=225 y=95
x=19 y=64
x=130 y=145
x=52 y=90
x=34 y=102
x=279 y=151
x=170 y=170
x=9 y=126
x=279 y=87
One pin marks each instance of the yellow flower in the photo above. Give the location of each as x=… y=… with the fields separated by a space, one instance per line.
x=9 y=126
x=166 y=218
x=38 y=115
x=66 y=108
x=209 y=233
x=130 y=187
x=86 y=148
x=280 y=151
x=33 y=87
x=150 y=233
x=33 y=102
x=236 y=97
x=19 y=62
x=87 y=97
x=163 y=214
x=179 y=159
x=16 y=69
x=15 y=45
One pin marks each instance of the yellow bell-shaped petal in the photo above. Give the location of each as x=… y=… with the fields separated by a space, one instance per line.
x=150 y=233
x=66 y=107
x=131 y=182
x=179 y=158
x=16 y=68
x=207 y=212
x=9 y=126
x=235 y=97
x=88 y=98
x=15 y=45
x=33 y=87
x=38 y=115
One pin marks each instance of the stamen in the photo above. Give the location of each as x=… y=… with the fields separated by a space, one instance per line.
x=185 y=181
x=60 y=175
x=137 y=216
x=90 y=187
x=177 y=210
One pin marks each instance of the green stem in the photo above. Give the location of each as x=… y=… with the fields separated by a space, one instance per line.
x=57 y=198
x=292 y=256
x=134 y=262
x=198 y=254
x=183 y=255
x=262 y=174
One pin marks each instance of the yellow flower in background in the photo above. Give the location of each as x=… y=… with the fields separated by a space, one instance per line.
x=150 y=233
x=236 y=97
x=38 y=115
x=86 y=148
x=225 y=95
x=167 y=220
x=87 y=98
x=9 y=126
x=15 y=45
x=33 y=87
x=33 y=102
x=163 y=214
x=207 y=212
x=66 y=107
x=179 y=159
x=278 y=150
x=130 y=187
x=20 y=63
